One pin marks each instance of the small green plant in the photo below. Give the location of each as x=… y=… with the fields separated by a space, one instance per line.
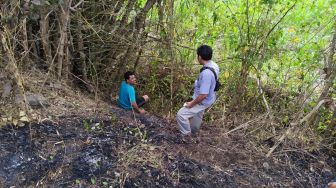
x=141 y=135
x=96 y=126
x=105 y=184
x=113 y=118
x=86 y=125
x=321 y=126
x=144 y=137
x=93 y=180
x=97 y=164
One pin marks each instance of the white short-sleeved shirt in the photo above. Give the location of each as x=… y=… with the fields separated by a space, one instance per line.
x=205 y=84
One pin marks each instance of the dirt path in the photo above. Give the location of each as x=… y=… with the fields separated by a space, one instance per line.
x=116 y=150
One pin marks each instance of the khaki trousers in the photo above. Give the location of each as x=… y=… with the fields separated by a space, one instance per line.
x=190 y=119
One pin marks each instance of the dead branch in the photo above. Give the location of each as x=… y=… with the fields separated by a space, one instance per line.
x=292 y=125
x=246 y=124
x=74 y=7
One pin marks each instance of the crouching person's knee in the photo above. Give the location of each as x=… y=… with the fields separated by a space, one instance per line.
x=179 y=115
x=146 y=98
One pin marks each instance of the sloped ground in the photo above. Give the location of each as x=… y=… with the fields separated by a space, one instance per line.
x=81 y=142
x=119 y=149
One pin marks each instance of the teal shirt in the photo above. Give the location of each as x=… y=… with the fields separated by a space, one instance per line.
x=126 y=95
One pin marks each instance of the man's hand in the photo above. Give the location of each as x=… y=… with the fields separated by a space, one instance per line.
x=136 y=107
x=142 y=111
x=188 y=104
x=196 y=101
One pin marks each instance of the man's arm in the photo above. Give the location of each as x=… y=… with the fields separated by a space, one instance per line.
x=204 y=88
x=198 y=100
x=133 y=101
x=136 y=107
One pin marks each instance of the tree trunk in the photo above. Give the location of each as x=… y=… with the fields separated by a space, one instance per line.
x=121 y=66
x=25 y=40
x=332 y=125
x=137 y=60
x=241 y=87
x=66 y=59
x=128 y=54
x=81 y=52
x=129 y=8
x=141 y=16
x=330 y=68
x=33 y=45
x=64 y=20
x=12 y=67
x=117 y=7
x=24 y=32
x=44 y=30
x=170 y=48
x=330 y=76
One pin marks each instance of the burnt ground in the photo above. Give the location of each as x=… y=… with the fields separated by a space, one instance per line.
x=117 y=151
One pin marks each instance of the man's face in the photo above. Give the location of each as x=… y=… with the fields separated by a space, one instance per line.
x=131 y=79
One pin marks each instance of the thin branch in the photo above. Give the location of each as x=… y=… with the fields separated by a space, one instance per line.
x=260 y=89
x=74 y=7
x=247 y=22
x=179 y=45
x=271 y=30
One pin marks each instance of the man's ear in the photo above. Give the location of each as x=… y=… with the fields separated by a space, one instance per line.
x=199 y=58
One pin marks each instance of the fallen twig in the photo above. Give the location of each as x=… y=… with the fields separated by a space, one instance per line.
x=246 y=124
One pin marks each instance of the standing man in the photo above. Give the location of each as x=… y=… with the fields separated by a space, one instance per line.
x=127 y=98
x=189 y=117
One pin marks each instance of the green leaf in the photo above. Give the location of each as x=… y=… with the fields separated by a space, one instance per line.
x=93 y=181
x=105 y=183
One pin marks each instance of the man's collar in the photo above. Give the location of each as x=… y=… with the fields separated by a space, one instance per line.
x=207 y=63
x=127 y=83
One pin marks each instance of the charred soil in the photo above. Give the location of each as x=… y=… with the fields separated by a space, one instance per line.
x=123 y=149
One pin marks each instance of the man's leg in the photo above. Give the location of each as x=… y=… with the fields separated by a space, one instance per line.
x=183 y=116
x=142 y=100
x=196 y=121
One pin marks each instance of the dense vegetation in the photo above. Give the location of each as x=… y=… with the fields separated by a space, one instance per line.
x=277 y=58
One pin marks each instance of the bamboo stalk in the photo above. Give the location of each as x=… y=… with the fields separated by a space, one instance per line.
x=12 y=67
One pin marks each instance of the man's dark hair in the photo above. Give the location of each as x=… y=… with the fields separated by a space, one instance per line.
x=128 y=74
x=205 y=52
